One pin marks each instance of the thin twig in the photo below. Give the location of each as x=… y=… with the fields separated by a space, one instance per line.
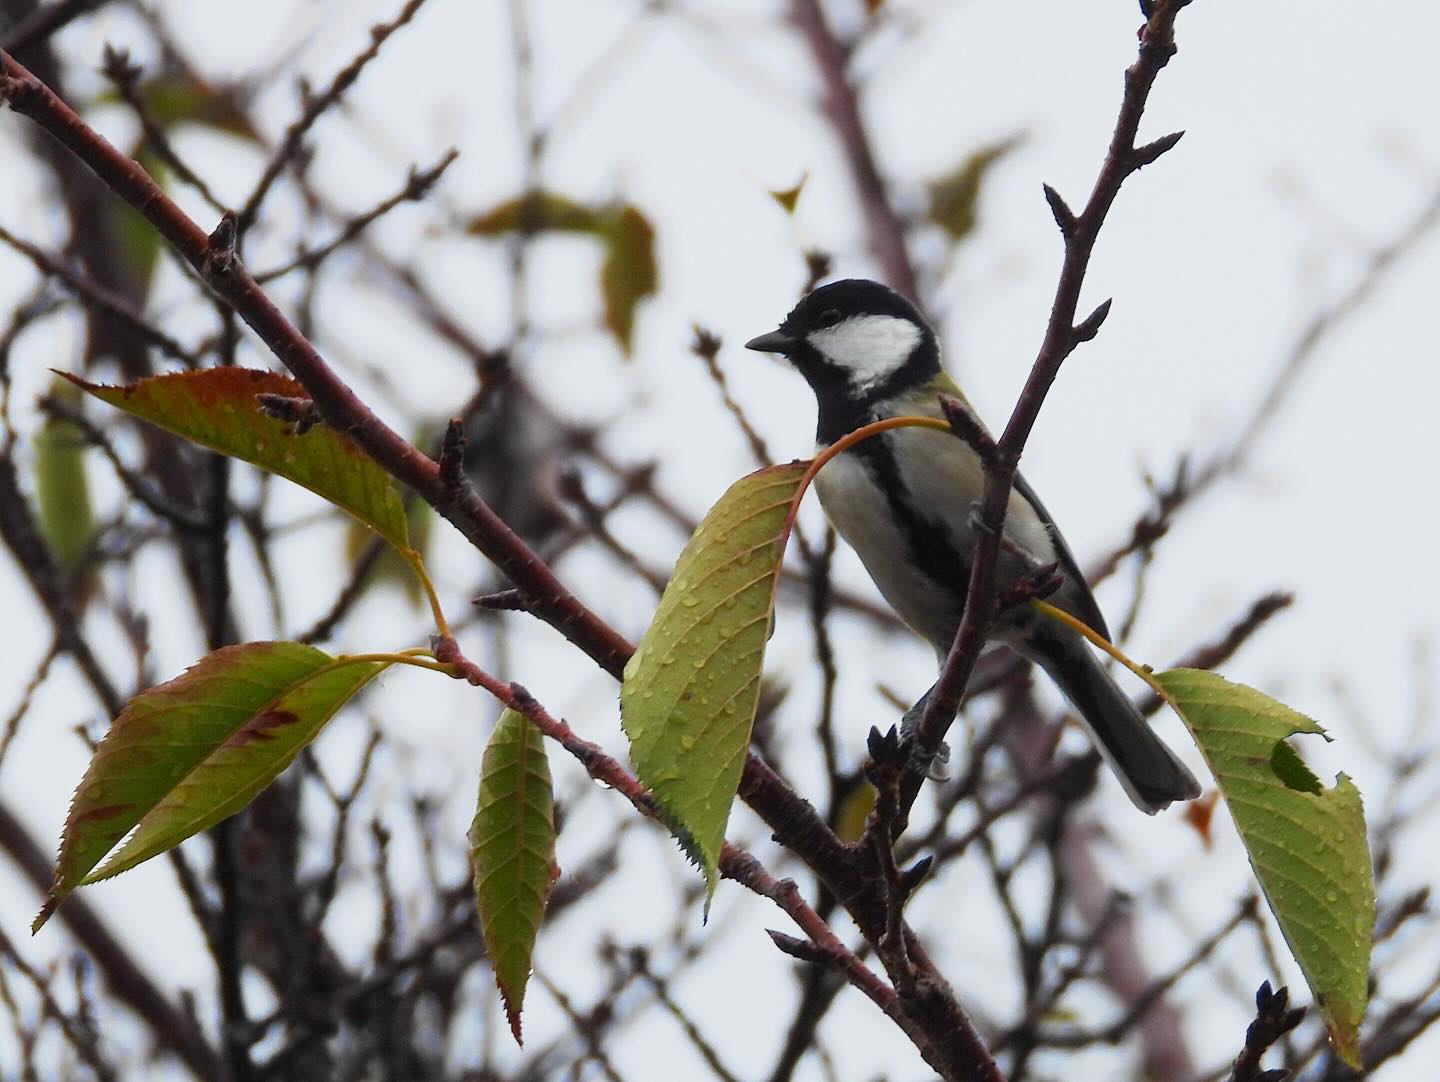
x=1274 y=1017
x=100 y=299
x=125 y=75
x=315 y=108
x=417 y=187
x=1062 y=335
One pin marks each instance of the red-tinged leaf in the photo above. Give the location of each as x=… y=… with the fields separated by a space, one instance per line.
x=186 y=754
x=629 y=273
x=1200 y=814
x=217 y=408
x=512 y=847
x=691 y=688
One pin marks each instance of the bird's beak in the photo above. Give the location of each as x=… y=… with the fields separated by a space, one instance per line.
x=774 y=342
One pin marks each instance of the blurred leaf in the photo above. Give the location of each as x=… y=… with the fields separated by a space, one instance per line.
x=1200 y=814
x=188 y=753
x=217 y=408
x=1306 y=843
x=955 y=198
x=182 y=97
x=512 y=848
x=67 y=520
x=390 y=568
x=135 y=239
x=691 y=688
x=629 y=273
x=855 y=811
x=788 y=197
x=536 y=212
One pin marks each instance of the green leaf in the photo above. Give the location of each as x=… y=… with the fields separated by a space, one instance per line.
x=536 y=212
x=691 y=688
x=788 y=197
x=1306 y=843
x=217 y=408
x=854 y=811
x=135 y=243
x=629 y=273
x=179 y=96
x=512 y=848
x=955 y=197
x=188 y=753
x=182 y=97
x=62 y=491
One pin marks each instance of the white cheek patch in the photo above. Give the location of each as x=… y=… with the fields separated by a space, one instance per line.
x=868 y=347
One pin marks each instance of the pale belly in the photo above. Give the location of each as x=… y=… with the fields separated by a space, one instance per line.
x=941 y=489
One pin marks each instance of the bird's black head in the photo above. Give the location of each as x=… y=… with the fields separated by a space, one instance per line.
x=856 y=342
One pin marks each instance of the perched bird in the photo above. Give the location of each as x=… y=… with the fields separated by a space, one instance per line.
x=903 y=501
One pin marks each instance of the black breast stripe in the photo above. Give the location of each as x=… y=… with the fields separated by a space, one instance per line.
x=930 y=546
x=839 y=416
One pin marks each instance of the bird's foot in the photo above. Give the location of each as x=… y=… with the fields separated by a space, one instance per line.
x=937 y=766
x=933 y=765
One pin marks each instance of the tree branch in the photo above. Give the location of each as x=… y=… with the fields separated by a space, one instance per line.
x=1062 y=335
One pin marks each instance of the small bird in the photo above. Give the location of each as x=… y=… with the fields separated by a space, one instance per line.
x=903 y=501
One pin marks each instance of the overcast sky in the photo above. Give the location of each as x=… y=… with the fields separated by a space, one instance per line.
x=1310 y=141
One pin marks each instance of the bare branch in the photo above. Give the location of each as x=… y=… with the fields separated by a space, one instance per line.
x=1157 y=45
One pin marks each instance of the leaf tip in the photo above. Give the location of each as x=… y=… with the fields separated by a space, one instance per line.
x=1344 y=1038
x=512 y=1015
x=710 y=884
x=52 y=903
x=83 y=384
x=787 y=198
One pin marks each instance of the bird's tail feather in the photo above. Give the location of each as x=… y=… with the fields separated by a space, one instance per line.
x=1150 y=772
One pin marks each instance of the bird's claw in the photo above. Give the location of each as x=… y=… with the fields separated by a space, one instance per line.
x=933 y=766
x=938 y=766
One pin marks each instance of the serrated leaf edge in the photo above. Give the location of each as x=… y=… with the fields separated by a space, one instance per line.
x=396 y=533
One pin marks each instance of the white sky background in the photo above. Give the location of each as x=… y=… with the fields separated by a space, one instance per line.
x=1310 y=140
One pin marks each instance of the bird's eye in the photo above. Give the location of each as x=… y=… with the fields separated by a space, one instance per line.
x=829 y=317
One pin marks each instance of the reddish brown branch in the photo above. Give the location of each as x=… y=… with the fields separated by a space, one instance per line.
x=223 y=271
x=1062 y=334
x=735 y=863
x=950 y=1039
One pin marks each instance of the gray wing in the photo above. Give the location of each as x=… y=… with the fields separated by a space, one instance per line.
x=1076 y=589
